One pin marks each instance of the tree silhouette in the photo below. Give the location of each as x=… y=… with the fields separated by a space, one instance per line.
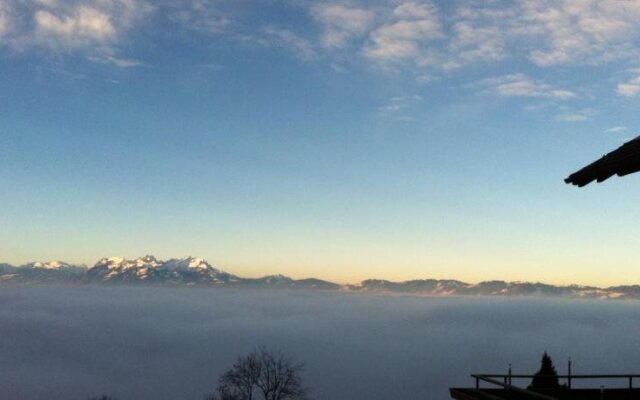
x=546 y=377
x=261 y=375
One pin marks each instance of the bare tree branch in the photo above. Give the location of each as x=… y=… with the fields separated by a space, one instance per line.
x=262 y=375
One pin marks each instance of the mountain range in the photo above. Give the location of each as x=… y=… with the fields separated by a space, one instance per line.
x=192 y=271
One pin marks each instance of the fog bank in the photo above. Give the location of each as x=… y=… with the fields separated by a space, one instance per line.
x=163 y=343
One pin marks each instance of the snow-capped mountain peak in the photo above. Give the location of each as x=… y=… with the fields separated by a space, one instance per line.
x=275 y=279
x=198 y=263
x=53 y=265
x=148 y=259
x=189 y=263
x=189 y=270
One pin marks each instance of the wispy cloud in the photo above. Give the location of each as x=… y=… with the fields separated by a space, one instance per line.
x=420 y=38
x=549 y=32
x=202 y=15
x=629 y=88
x=4 y=19
x=478 y=34
x=342 y=23
x=584 y=31
x=521 y=85
x=545 y=33
x=577 y=116
x=615 y=129
x=288 y=40
x=117 y=61
x=405 y=38
x=399 y=107
x=425 y=79
x=80 y=27
x=94 y=27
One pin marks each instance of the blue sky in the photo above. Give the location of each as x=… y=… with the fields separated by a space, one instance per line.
x=342 y=140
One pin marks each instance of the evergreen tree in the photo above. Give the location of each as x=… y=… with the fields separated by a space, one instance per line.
x=546 y=377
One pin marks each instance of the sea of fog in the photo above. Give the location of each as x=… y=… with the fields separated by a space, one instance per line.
x=172 y=343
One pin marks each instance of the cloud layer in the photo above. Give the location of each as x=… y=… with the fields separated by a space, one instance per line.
x=424 y=41
x=547 y=33
x=173 y=343
x=452 y=35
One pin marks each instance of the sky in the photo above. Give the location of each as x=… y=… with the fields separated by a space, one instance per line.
x=340 y=140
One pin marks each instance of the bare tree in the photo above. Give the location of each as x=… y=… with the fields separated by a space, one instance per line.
x=261 y=375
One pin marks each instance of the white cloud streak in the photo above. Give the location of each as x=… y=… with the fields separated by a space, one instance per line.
x=616 y=129
x=117 y=61
x=521 y=85
x=577 y=116
x=630 y=88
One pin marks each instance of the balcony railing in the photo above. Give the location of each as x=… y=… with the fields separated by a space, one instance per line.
x=500 y=386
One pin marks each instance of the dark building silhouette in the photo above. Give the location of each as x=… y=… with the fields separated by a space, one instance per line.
x=622 y=161
x=547 y=384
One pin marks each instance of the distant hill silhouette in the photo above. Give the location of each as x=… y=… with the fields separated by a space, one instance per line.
x=192 y=271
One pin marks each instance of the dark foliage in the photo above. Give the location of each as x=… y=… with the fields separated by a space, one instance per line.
x=546 y=377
